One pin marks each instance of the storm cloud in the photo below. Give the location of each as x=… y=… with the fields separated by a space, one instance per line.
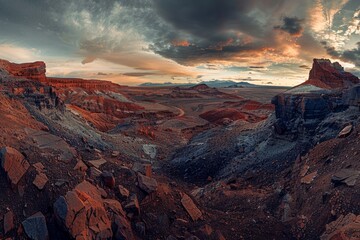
x=177 y=37
x=352 y=55
x=293 y=26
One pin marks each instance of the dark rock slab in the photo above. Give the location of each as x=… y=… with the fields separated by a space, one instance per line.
x=346 y=176
x=35 y=227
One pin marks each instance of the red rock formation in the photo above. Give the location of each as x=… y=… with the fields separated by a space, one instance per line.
x=329 y=75
x=200 y=87
x=84 y=214
x=13 y=163
x=34 y=71
x=81 y=83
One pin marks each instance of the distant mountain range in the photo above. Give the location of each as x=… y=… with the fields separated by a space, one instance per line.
x=214 y=83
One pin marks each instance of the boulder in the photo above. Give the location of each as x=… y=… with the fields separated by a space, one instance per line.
x=345 y=131
x=343 y=228
x=40 y=180
x=82 y=214
x=14 y=164
x=191 y=208
x=147 y=184
x=92 y=216
x=35 y=227
x=346 y=176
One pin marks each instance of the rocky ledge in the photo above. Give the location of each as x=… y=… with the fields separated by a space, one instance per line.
x=81 y=83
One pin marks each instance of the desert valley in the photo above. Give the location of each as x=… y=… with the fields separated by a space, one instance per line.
x=90 y=159
x=180 y=120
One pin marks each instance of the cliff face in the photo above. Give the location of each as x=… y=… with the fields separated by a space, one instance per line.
x=91 y=85
x=328 y=89
x=37 y=71
x=100 y=102
x=307 y=106
x=329 y=75
x=33 y=71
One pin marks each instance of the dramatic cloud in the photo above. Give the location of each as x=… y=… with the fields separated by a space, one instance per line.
x=352 y=55
x=293 y=26
x=178 y=40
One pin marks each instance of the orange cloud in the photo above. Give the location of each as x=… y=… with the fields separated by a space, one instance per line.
x=180 y=43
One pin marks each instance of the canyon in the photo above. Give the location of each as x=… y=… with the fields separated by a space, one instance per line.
x=91 y=159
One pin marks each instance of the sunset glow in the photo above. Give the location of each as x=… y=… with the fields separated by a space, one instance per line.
x=131 y=42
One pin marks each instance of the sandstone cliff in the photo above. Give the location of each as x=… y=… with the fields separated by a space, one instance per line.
x=329 y=75
x=81 y=83
x=329 y=89
x=34 y=71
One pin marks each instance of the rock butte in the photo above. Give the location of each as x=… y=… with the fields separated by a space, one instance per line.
x=329 y=75
x=328 y=89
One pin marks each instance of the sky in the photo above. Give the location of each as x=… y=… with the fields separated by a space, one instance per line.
x=180 y=41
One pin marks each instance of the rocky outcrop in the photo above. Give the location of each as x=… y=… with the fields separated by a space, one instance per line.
x=330 y=75
x=306 y=108
x=290 y=106
x=34 y=71
x=200 y=87
x=84 y=214
x=329 y=89
x=81 y=83
x=343 y=228
x=13 y=163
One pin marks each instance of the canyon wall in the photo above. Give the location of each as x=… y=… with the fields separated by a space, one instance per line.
x=34 y=71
